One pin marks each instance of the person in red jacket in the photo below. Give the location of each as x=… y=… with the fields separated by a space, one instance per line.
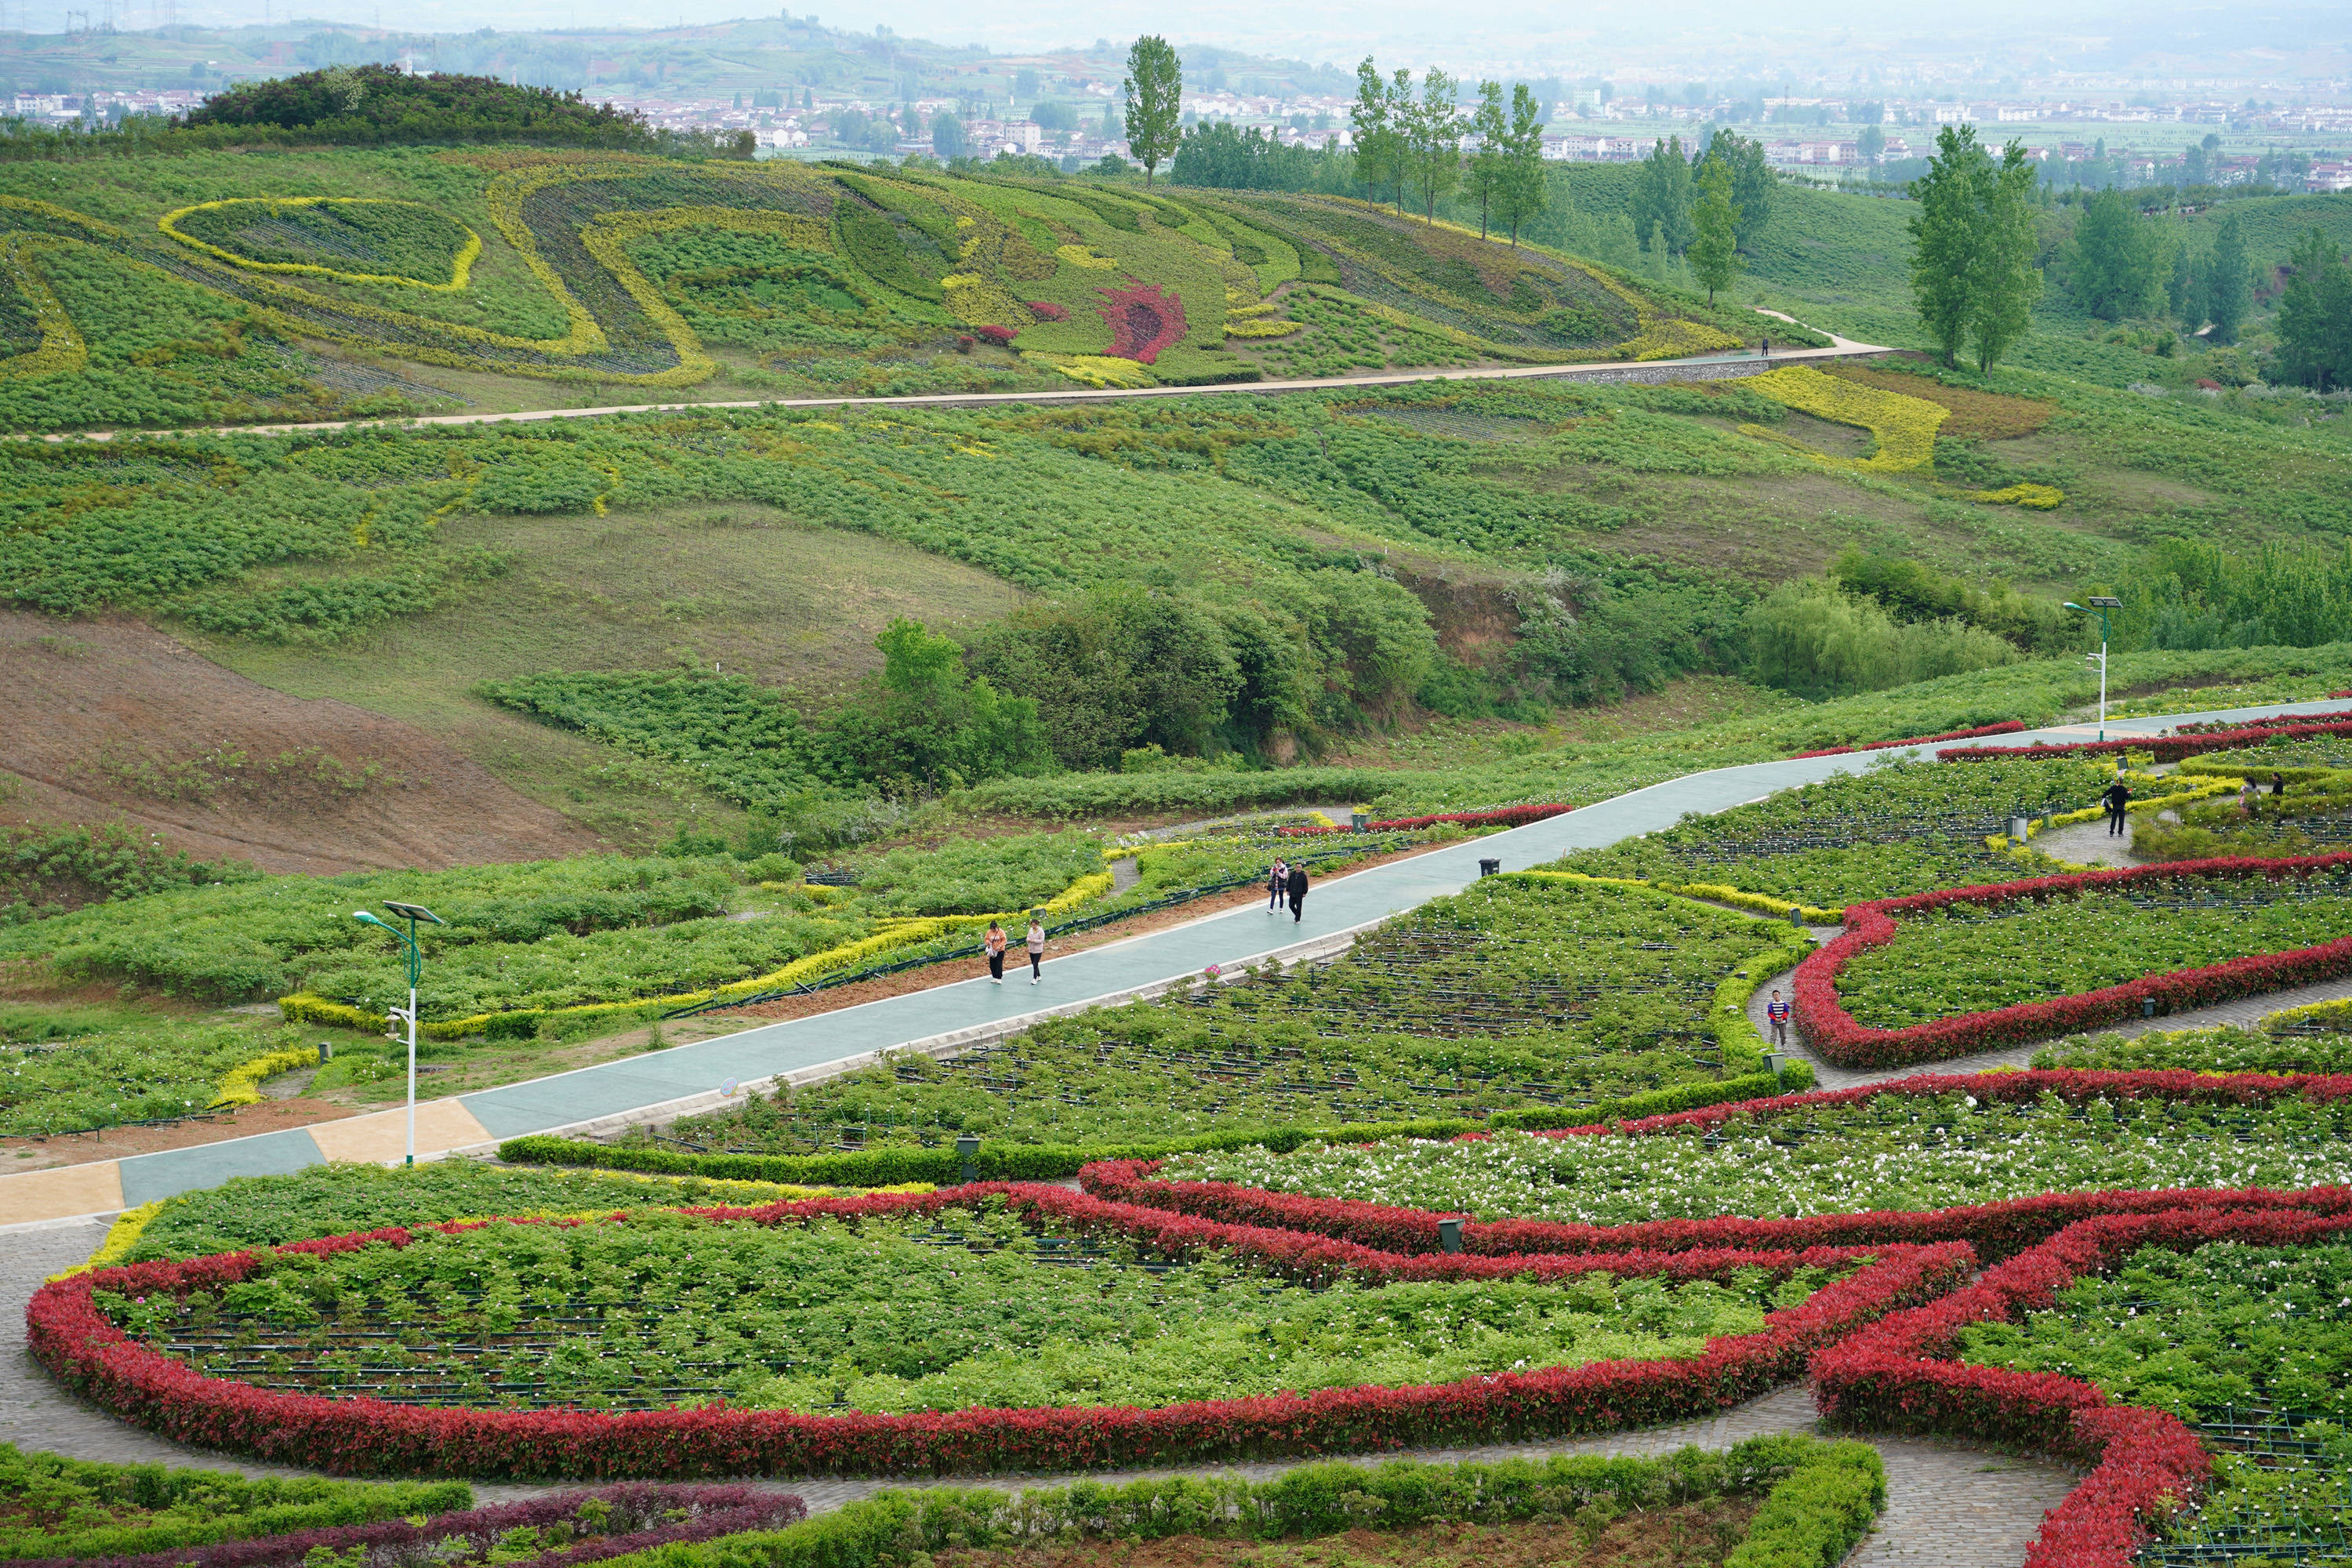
x=1777 y=1010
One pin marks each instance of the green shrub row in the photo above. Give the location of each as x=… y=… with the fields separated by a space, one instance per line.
x=51 y=1506
x=1055 y=1162
x=892 y=1527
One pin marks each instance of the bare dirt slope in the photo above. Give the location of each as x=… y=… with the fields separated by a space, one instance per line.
x=109 y=720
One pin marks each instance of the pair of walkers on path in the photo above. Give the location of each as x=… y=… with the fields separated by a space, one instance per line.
x=995 y=943
x=1286 y=882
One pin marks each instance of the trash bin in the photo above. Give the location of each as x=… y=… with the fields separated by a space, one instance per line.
x=1360 y=819
x=1489 y=868
x=2020 y=828
x=1449 y=1234
x=967 y=1146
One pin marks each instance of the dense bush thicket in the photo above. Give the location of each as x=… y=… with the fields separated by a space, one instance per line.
x=47 y=871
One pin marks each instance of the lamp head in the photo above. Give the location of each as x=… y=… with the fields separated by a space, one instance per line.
x=366 y=918
x=2073 y=606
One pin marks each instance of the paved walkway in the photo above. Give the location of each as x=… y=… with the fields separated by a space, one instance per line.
x=1947 y=1506
x=690 y=1078
x=1694 y=367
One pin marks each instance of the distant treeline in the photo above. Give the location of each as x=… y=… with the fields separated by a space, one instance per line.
x=365 y=106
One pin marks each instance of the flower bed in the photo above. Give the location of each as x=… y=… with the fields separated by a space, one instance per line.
x=1918 y=1146
x=1532 y=1000
x=1906 y=827
x=544 y=1533
x=1995 y=1230
x=75 y=1339
x=1504 y=817
x=2006 y=727
x=2164 y=748
x=1900 y=1375
x=1819 y=1499
x=1823 y=1019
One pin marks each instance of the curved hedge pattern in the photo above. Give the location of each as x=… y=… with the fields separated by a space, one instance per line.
x=76 y=1341
x=1898 y=1375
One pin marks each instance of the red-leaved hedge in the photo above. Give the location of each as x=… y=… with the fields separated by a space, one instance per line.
x=2166 y=748
x=2006 y=727
x=76 y=1341
x=1502 y=816
x=1824 y=1023
x=1898 y=1375
x=1993 y=1230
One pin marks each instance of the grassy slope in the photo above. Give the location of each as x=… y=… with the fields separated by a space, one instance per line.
x=739 y=586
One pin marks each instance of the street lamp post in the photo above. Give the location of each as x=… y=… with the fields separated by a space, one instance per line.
x=2099 y=605
x=414 y=957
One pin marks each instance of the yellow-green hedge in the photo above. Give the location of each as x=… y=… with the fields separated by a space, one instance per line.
x=1905 y=426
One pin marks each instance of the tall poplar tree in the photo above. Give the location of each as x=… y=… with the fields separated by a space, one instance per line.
x=2225 y=287
x=1155 y=93
x=1944 y=234
x=1661 y=198
x=1490 y=164
x=1973 y=273
x=1437 y=140
x=1524 y=194
x=1715 y=250
x=2006 y=282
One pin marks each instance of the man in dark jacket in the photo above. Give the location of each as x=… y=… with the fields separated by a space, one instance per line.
x=1297 y=890
x=2117 y=797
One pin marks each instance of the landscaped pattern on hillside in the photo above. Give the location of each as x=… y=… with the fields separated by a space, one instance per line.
x=74 y=1334
x=827 y=275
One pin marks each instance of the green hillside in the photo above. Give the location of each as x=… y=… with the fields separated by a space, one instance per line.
x=296 y=282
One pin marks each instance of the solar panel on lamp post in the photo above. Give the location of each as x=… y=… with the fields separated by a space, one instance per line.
x=413 y=959
x=2099 y=605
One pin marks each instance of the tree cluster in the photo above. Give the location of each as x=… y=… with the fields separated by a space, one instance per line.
x=1972 y=271
x=1669 y=190
x=1410 y=142
x=2314 y=316
x=372 y=103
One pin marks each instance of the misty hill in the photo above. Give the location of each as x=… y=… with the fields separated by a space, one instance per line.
x=317 y=279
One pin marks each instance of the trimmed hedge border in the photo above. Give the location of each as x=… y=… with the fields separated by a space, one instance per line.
x=89 y=1354
x=1897 y=1375
x=1824 y=1499
x=1995 y=1230
x=1825 y=1024
x=2006 y=727
x=714 y=1511
x=1502 y=816
x=1058 y=1162
x=2164 y=748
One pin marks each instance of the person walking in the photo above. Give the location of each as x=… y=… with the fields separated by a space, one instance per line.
x=995 y=944
x=1037 y=949
x=1296 y=887
x=2118 y=798
x=1277 y=883
x=1777 y=1010
x=2278 y=784
x=1764 y=347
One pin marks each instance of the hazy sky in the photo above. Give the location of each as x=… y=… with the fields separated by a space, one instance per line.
x=1666 y=40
